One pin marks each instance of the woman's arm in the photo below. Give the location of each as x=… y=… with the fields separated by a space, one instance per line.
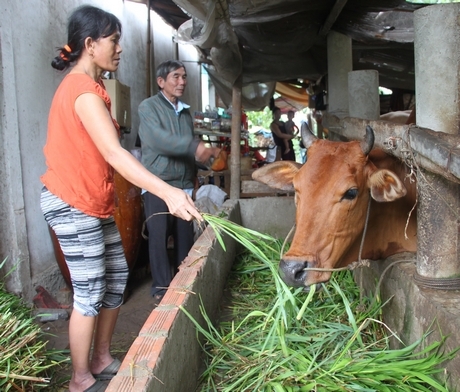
x=98 y=123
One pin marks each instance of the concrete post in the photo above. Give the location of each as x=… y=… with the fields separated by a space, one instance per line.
x=437 y=81
x=339 y=63
x=363 y=94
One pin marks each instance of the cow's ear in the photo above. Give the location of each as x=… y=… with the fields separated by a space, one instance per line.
x=386 y=186
x=278 y=175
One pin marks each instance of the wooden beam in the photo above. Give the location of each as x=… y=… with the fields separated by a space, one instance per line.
x=235 y=161
x=436 y=152
x=148 y=84
x=332 y=17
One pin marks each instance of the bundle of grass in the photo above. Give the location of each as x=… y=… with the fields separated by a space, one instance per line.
x=25 y=362
x=280 y=339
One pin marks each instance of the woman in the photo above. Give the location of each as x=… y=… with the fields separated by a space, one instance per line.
x=280 y=135
x=82 y=151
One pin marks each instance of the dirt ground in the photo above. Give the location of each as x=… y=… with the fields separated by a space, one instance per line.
x=133 y=313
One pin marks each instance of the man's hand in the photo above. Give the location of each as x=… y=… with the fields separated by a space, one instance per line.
x=203 y=153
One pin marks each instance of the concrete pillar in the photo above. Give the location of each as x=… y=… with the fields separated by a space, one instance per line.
x=437 y=81
x=339 y=63
x=363 y=94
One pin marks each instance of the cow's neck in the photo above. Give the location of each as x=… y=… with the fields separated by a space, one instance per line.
x=386 y=233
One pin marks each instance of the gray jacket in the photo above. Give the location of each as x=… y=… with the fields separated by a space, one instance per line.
x=168 y=142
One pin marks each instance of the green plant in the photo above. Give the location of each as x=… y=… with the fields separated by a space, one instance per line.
x=261 y=118
x=25 y=362
x=280 y=339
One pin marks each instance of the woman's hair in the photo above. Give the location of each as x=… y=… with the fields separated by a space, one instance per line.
x=86 y=21
x=166 y=67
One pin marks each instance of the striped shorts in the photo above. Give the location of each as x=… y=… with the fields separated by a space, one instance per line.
x=93 y=253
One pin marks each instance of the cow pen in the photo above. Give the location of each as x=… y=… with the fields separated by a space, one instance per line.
x=169 y=339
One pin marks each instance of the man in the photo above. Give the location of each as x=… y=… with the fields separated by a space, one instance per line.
x=169 y=150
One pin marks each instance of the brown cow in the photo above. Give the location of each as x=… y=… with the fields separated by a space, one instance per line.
x=332 y=192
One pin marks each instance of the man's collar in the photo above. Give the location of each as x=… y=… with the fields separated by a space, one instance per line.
x=179 y=106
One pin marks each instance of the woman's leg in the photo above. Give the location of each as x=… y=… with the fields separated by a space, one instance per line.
x=82 y=242
x=116 y=278
x=105 y=325
x=80 y=338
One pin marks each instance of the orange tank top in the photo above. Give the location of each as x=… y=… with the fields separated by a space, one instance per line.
x=76 y=171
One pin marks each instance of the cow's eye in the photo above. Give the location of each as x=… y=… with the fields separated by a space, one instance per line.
x=350 y=194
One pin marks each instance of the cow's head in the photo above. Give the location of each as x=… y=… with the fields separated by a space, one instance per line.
x=332 y=191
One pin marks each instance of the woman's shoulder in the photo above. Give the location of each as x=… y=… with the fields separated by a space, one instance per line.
x=80 y=79
x=81 y=83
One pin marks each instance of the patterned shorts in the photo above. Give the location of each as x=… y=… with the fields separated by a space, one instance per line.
x=93 y=252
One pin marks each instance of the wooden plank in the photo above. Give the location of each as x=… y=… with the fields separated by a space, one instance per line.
x=434 y=151
x=235 y=164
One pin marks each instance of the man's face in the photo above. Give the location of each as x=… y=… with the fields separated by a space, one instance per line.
x=174 y=85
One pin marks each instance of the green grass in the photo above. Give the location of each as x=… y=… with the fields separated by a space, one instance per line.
x=281 y=339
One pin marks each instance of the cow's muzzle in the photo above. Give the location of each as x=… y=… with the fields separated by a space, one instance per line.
x=293 y=272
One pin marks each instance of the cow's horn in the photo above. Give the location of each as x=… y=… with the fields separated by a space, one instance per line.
x=368 y=142
x=307 y=136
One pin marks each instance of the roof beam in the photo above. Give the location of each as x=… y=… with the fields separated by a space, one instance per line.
x=332 y=17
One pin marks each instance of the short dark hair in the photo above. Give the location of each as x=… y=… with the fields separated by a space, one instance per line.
x=166 y=67
x=85 y=21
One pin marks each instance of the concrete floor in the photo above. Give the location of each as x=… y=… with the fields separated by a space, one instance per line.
x=133 y=314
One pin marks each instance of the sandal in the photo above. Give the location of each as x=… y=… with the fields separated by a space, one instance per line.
x=98 y=386
x=109 y=372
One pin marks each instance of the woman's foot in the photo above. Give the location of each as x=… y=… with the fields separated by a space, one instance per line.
x=109 y=371
x=82 y=383
x=104 y=365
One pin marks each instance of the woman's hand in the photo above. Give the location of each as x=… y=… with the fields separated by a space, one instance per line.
x=180 y=204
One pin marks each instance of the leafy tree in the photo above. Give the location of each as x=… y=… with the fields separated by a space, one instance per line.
x=260 y=119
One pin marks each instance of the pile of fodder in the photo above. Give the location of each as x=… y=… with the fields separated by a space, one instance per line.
x=25 y=363
x=281 y=339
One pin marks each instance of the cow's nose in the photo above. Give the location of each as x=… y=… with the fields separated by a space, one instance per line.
x=293 y=272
